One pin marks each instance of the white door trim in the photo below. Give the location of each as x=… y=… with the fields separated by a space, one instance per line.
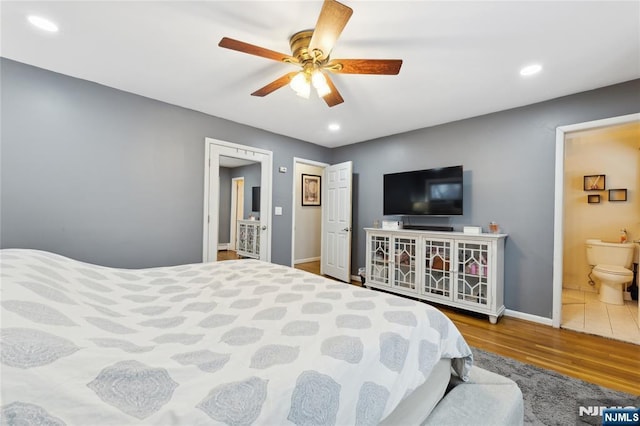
x=211 y=206
x=558 y=213
x=295 y=199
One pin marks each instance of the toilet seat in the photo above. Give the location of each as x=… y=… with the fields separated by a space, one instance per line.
x=613 y=270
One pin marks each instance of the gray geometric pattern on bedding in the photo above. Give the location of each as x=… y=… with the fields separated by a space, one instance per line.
x=236 y=342
x=134 y=388
x=28 y=348
x=20 y=413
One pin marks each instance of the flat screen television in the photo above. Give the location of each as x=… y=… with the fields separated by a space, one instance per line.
x=255 y=199
x=431 y=192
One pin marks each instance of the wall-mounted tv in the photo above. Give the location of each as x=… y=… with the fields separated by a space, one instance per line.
x=431 y=192
x=255 y=199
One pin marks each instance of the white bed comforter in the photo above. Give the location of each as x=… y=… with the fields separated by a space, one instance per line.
x=235 y=342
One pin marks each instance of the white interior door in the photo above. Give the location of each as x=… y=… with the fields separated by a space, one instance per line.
x=336 y=221
x=213 y=150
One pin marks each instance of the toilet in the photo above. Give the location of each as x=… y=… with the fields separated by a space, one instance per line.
x=611 y=264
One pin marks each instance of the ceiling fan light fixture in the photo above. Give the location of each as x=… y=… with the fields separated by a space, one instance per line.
x=311 y=50
x=319 y=81
x=300 y=84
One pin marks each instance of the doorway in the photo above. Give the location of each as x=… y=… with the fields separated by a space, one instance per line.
x=306 y=234
x=562 y=229
x=217 y=155
x=334 y=209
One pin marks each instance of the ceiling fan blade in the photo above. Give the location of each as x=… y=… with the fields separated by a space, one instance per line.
x=365 y=66
x=275 y=85
x=251 y=49
x=332 y=20
x=334 y=98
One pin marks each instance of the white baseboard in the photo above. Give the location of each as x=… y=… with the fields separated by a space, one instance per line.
x=224 y=246
x=528 y=317
x=310 y=259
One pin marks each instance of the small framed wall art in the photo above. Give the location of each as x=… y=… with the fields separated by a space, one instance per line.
x=618 y=195
x=593 y=198
x=594 y=183
x=311 y=190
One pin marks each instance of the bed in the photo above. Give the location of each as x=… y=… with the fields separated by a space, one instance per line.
x=237 y=342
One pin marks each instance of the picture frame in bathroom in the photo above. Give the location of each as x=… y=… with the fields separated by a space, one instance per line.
x=619 y=194
x=593 y=198
x=594 y=182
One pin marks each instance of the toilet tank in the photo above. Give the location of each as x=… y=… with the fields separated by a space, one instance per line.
x=601 y=253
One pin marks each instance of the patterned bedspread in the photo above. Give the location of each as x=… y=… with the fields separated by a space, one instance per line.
x=236 y=342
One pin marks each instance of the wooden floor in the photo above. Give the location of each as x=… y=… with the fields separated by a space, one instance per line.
x=609 y=363
x=228 y=255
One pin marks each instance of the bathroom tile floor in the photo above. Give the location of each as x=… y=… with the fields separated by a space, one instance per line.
x=582 y=311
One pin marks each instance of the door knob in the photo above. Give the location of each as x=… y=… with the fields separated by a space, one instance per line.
x=347 y=229
x=264 y=227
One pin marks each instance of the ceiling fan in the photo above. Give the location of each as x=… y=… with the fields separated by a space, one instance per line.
x=310 y=50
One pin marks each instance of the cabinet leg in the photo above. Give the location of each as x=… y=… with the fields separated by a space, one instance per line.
x=493 y=319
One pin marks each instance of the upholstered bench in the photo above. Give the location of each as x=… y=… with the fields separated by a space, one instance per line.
x=486 y=399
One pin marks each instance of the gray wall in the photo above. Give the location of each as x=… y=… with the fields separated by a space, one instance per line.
x=509 y=161
x=113 y=178
x=116 y=179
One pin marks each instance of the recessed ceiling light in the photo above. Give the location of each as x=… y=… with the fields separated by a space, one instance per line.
x=530 y=70
x=334 y=127
x=43 y=23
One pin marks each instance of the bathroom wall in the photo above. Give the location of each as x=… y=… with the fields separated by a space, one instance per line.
x=615 y=153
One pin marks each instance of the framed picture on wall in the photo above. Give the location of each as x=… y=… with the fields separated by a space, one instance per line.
x=311 y=190
x=617 y=195
x=594 y=183
x=593 y=199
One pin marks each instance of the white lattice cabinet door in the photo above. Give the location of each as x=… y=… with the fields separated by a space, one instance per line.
x=392 y=262
x=472 y=278
x=404 y=263
x=451 y=268
x=248 y=241
x=437 y=280
x=378 y=255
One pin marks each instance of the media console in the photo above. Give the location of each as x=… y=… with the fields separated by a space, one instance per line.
x=452 y=268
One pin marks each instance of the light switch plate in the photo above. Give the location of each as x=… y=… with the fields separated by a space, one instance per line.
x=278 y=211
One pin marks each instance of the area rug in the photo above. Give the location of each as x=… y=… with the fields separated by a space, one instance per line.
x=551 y=398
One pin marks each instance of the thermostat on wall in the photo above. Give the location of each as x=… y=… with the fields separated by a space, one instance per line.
x=391 y=224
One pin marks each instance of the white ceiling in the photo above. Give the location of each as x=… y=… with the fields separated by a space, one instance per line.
x=461 y=59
